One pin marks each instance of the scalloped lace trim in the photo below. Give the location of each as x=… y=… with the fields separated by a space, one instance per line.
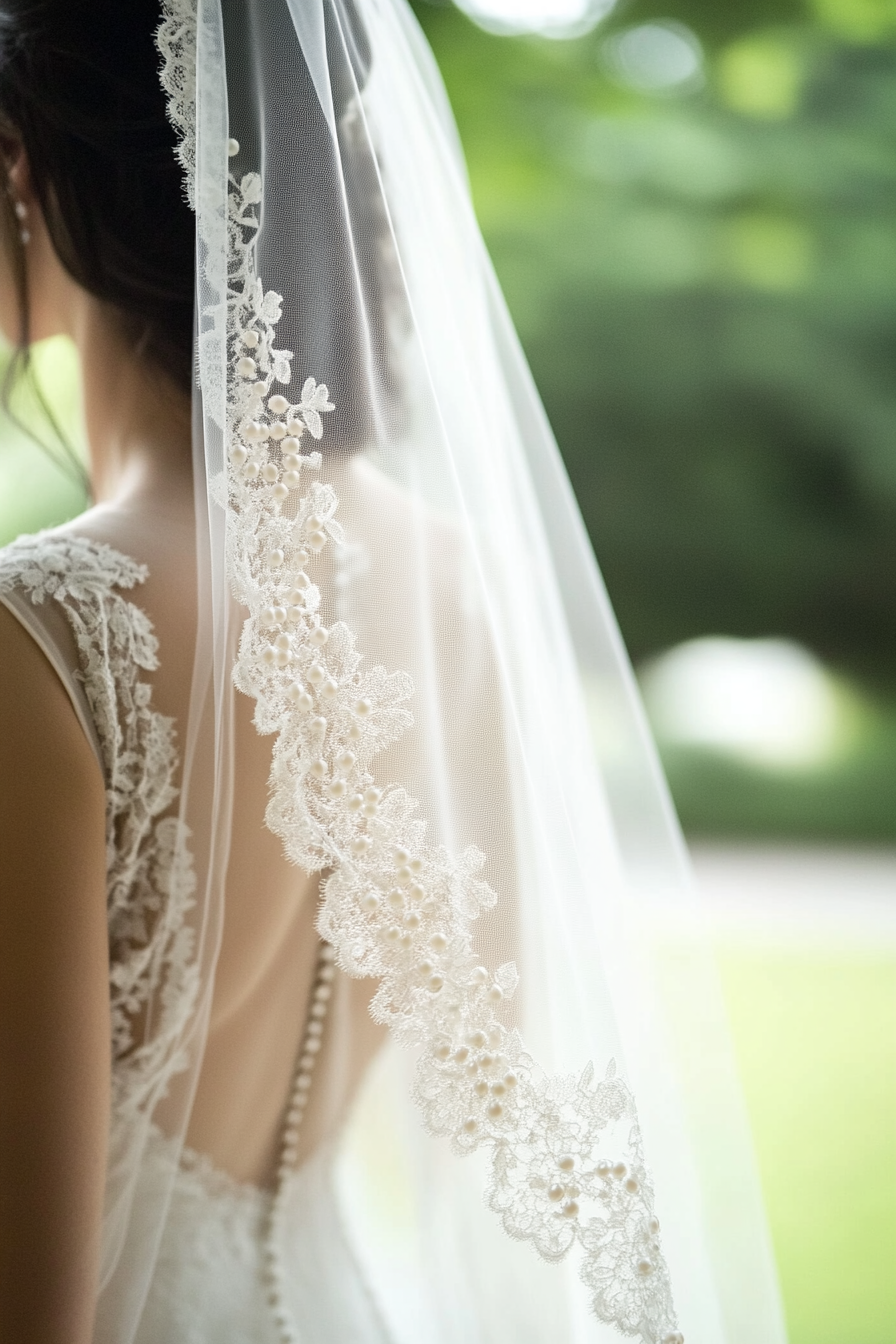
x=149 y=870
x=567 y=1164
x=176 y=42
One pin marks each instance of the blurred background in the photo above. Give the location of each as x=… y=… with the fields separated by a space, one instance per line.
x=691 y=205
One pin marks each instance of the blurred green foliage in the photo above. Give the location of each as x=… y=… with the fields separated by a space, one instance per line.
x=704 y=284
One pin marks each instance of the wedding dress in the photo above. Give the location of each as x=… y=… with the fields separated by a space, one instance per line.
x=447 y=776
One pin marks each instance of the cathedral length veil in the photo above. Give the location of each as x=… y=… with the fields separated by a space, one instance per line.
x=392 y=565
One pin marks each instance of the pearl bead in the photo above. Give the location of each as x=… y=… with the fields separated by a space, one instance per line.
x=250 y=338
x=461 y=1055
x=269 y=655
x=510 y=1080
x=314 y=522
x=251 y=470
x=278 y=404
x=438 y=942
x=631 y=1185
x=416 y=865
x=291 y=443
x=316 y=674
x=318 y=637
x=297 y=428
x=302 y=584
x=443 y=1051
x=259 y=389
x=319 y=769
x=317 y=541
x=277 y=430
x=556 y=1192
x=315 y=1029
x=416 y=891
x=326 y=973
x=571 y=1209
x=369 y=810
x=645 y=1267
x=346 y=759
x=246 y=367
x=338 y=788
x=294 y=615
x=479 y=976
x=291 y=462
x=619 y=1170
x=233 y=148
x=279 y=615
x=280 y=492
x=283 y=657
x=412 y=920
x=276 y=556
x=495 y=1111
x=318 y=725
x=253 y=432
x=499 y=1088
x=238 y=455
x=567 y=1162
x=470 y=1125
x=323 y=991
x=312 y=1045
x=292 y=480
x=486 y=1061
x=362 y=708
x=604 y=1168
x=330 y=689
x=355 y=803
x=495 y=994
x=400 y=856
x=481 y=1088
x=303 y=701
x=406 y=940
x=283 y=641
x=654 y=1226
x=477 y=1039
x=372 y=795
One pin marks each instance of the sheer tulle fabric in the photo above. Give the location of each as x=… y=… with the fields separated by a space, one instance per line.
x=437 y=536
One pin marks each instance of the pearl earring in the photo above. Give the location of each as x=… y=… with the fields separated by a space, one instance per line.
x=22 y=216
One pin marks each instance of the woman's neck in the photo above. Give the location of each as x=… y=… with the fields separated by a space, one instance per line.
x=138 y=423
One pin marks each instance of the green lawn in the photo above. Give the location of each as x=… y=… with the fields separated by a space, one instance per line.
x=815 y=1034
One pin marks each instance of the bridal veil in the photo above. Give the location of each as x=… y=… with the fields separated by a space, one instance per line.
x=551 y=1146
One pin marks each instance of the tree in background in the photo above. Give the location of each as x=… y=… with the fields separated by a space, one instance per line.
x=700 y=254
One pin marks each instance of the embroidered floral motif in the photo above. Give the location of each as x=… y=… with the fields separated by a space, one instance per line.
x=149 y=873
x=566 y=1153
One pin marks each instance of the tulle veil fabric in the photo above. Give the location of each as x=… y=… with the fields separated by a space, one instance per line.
x=334 y=222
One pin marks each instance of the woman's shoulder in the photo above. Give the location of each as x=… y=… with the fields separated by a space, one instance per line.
x=61 y=563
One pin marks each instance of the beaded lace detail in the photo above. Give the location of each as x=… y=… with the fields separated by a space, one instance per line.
x=566 y=1153
x=567 y=1164
x=149 y=872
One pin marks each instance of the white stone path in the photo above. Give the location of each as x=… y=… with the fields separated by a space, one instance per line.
x=811 y=898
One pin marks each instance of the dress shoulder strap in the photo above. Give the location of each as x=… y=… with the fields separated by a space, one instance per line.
x=72 y=594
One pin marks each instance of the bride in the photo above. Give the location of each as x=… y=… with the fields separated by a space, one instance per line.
x=345 y=936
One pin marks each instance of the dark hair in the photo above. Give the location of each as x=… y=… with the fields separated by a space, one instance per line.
x=79 y=86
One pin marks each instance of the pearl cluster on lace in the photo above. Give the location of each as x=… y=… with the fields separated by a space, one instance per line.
x=395 y=907
x=274 y=1271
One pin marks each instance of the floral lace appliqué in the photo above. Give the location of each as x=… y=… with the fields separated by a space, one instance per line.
x=149 y=873
x=566 y=1159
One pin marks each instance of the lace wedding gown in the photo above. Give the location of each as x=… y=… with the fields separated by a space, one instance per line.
x=73 y=596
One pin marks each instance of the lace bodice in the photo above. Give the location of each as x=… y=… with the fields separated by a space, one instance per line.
x=149 y=870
